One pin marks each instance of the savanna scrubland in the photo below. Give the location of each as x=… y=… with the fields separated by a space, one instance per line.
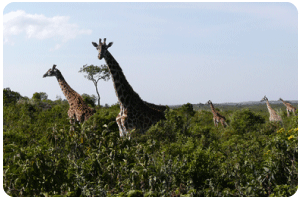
x=185 y=155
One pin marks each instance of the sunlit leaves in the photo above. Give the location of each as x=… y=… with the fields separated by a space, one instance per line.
x=184 y=155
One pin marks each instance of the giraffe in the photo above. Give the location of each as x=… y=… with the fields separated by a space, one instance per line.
x=134 y=112
x=273 y=115
x=289 y=107
x=217 y=116
x=160 y=108
x=78 y=110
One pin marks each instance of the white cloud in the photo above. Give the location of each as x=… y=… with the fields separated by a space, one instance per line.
x=40 y=27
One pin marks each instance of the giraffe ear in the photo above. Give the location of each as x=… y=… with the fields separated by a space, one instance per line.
x=53 y=67
x=95 y=44
x=110 y=44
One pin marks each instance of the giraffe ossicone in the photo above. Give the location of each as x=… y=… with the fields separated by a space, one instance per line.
x=134 y=112
x=78 y=110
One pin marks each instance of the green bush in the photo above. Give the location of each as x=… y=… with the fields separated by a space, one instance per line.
x=38 y=96
x=10 y=97
x=184 y=155
x=89 y=99
x=245 y=120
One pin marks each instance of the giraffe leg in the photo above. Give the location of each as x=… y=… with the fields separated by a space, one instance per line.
x=216 y=122
x=88 y=114
x=79 y=116
x=288 y=112
x=124 y=122
x=121 y=121
x=224 y=124
x=118 y=120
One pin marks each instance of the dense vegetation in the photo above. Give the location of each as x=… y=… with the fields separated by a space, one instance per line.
x=184 y=155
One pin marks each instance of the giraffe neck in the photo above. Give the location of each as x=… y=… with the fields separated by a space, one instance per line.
x=284 y=102
x=123 y=89
x=66 y=89
x=269 y=107
x=212 y=108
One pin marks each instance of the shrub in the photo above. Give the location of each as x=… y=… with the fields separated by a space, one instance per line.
x=184 y=155
x=187 y=110
x=10 y=97
x=89 y=100
x=135 y=193
x=243 y=121
x=38 y=96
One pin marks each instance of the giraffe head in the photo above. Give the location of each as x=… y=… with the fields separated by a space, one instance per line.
x=209 y=102
x=264 y=99
x=280 y=99
x=102 y=48
x=51 y=72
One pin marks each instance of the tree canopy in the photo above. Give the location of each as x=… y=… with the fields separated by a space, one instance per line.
x=10 y=96
x=95 y=73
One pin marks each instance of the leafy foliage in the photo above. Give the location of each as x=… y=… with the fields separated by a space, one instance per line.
x=37 y=96
x=185 y=155
x=245 y=120
x=10 y=96
x=89 y=99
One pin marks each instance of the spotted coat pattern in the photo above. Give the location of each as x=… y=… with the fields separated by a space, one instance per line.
x=134 y=112
x=273 y=115
x=217 y=117
x=289 y=107
x=78 y=110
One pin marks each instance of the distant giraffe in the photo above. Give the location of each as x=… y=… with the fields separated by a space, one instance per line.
x=289 y=107
x=217 y=117
x=273 y=115
x=134 y=112
x=78 y=110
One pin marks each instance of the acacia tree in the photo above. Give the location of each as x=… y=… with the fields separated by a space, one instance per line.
x=96 y=73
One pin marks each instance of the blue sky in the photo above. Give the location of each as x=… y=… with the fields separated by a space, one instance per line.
x=170 y=53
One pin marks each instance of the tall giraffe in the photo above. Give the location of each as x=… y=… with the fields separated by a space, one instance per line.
x=217 y=117
x=134 y=112
x=78 y=110
x=289 y=107
x=273 y=115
